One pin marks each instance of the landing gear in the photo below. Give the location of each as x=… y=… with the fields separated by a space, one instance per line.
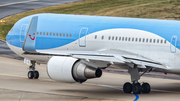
x=30 y=74
x=146 y=88
x=127 y=87
x=36 y=74
x=136 y=87
x=33 y=73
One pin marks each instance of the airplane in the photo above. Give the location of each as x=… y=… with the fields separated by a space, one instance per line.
x=78 y=47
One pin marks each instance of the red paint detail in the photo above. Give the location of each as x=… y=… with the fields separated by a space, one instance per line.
x=165 y=73
x=104 y=69
x=31 y=37
x=33 y=33
x=75 y=14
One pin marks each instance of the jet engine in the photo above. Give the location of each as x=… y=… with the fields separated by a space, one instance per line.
x=68 y=69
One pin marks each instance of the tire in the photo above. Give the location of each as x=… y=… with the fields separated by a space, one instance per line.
x=137 y=88
x=36 y=74
x=146 y=88
x=30 y=74
x=127 y=87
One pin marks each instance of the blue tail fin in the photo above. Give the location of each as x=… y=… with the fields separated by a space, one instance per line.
x=30 y=40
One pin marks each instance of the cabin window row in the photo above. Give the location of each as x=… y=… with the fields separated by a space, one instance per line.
x=134 y=39
x=54 y=34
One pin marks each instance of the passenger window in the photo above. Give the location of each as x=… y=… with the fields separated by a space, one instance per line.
x=147 y=40
x=109 y=37
x=122 y=38
x=95 y=37
x=157 y=40
x=60 y=34
x=37 y=33
x=143 y=39
x=126 y=39
x=154 y=40
x=119 y=38
x=116 y=37
x=129 y=39
x=102 y=37
x=113 y=38
x=53 y=34
x=63 y=34
x=161 y=41
x=50 y=34
x=56 y=34
x=132 y=39
x=40 y=33
x=150 y=40
x=43 y=33
x=47 y=33
x=70 y=35
x=66 y=35
x=136 y=39
x=165 y=41
x=139 y=39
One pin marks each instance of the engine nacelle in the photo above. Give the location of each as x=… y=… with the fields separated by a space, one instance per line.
x=68 y=69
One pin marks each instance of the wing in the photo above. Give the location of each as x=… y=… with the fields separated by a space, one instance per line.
x=107 y=57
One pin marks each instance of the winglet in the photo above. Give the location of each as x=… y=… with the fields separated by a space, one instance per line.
x=30 y=40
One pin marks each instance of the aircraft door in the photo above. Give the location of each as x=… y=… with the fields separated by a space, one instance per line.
x=173 y=44
x=82 y=37
x=23 y=32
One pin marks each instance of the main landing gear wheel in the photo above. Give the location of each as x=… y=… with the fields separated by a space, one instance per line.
x=146 y=88
x=137 y=88
x=127 y=88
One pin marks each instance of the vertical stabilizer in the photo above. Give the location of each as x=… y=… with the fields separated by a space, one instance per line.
x=30 y=40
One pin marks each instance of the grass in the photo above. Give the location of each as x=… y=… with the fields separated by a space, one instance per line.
x=153 y=9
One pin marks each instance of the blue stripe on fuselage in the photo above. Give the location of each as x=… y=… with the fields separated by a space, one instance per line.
x=72 y=24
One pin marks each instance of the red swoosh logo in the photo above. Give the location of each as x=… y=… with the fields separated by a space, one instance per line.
x=31 y=37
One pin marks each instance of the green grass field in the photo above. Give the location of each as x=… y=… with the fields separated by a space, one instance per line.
x=153 y=9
